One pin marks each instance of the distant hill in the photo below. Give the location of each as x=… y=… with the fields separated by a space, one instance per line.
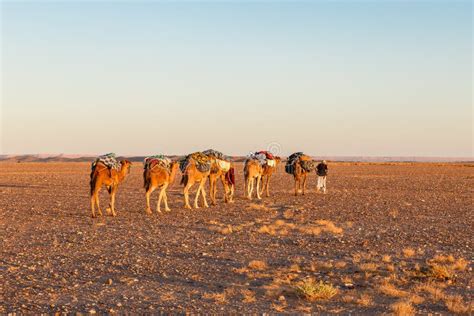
x=88 y=158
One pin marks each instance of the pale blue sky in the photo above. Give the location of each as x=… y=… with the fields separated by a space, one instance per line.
x=365 y=78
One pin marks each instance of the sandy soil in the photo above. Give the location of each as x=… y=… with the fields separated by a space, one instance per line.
x=395 y=237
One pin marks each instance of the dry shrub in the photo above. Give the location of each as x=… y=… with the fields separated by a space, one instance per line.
x=257 y=265
x=386 y=259
x=390 y=290
x=169 y=296
x=443 y=259
x=277 y=287
x=226 y=230
x=408 y=252
x=346 y=279
x=248 y=296
x=440 y=272
x=310 y=230
x=241 y=270
x=348 y=299
x=390 y=267
x=340 y=264
x=402 y=308
x=295 y=268
x=393 y=213
x=370 y=266
x=460 y=264
x=356 y=258
x=221 y=228
x=279 y=307
x=279 y=227
x=312 y=290
x=435 y=292
x=324 y=265
x=455 y=304
x=364 y=300
x=304 y=309
x=329 y=227
x=258 y=207
x=288 y=214
x=416 y=299
x=266 y=230
x=217 y=297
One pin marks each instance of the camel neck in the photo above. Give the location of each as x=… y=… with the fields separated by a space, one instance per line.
x=122 y=174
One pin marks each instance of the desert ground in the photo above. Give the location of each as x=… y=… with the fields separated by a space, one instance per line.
x=386 y=238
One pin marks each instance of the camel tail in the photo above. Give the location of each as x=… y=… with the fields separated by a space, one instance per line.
x=146 y=179
x=93 y=180
x=184 y=179
x=230 y=176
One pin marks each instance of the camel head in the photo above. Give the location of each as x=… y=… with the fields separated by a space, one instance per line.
x=174 y=167
x=126 y=165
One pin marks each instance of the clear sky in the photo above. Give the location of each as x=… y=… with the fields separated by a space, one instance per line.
x=371 y=78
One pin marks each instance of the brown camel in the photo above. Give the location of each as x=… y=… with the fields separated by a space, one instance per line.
x=192 y=175
x=252 y=172
x=101 y=175
x=267 y=174
x=300 y=175
x=226 y=175
x=159 y=177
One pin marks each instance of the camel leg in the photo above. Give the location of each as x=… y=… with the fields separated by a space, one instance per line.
x=304 y=183
x=203 y=192
x=267 y=184
x=262 y=188
x=246 y=186
x=186 y=194
x=212 y=189
x=215 y=191
x=296 y=186
x=250 y=188
x=147 y=195
x=259 y=179
x=112 y=199
x=167 y=209
x=196 y=199
x=93 y=205
x=231 y=193
x=226 y=187
x=160 y=197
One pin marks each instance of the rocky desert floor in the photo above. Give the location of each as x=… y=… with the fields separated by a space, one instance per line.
x=386 y=238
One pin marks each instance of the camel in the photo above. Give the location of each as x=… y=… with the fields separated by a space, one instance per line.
x=159 y=177
x=227 y=179
x=252 y=172
x=192 y=175
x=101 y=175
x=267 y=174
x=300 y=175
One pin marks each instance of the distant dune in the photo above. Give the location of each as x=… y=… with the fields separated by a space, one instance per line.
x=86 y=158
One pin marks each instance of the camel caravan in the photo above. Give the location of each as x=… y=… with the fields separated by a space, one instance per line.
x=159 y=172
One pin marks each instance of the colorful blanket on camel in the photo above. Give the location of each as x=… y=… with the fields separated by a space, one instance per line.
x=222 y=161
x=202 y=161
x=109 y=160
x=216 y=154
x=263 y=157
x=305 y=162
x=157 y=160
